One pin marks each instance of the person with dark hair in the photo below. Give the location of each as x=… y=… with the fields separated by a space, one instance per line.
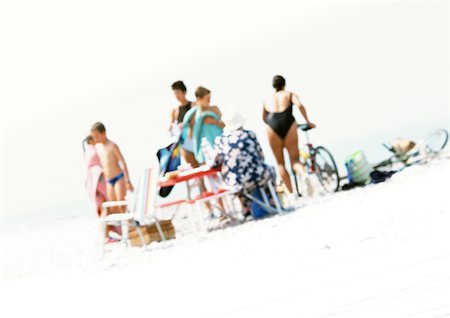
x=178 y=112
x=179 y=85
x=176 y=121
x=282 y=131
x=278 y=82
x=113 y=163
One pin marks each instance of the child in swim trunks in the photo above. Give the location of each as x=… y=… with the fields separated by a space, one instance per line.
x=114 y=167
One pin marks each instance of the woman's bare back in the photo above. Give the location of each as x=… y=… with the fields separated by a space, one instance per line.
x=278 y=102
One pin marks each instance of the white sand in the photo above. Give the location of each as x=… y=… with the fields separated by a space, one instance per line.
x=379 y=251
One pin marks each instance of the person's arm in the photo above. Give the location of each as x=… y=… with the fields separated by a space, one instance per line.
x=216 y=110
x=172 y=119
x=212 y=121
x=296 y=102
x=124 y=167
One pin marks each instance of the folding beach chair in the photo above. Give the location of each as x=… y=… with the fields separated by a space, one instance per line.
x=219 y=190
x=270 y=202
x=142 y=210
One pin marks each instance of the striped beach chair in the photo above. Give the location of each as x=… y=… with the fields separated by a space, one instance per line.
x=141 y=210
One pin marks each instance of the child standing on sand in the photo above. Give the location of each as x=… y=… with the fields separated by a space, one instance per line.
x=114 y=167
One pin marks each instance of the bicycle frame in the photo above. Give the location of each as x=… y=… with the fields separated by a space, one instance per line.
x=312 y=167
x=310 y=161
x=420 y=152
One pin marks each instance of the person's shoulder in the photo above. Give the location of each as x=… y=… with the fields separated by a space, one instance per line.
x=292 y=94
x=214 y=109
x=112 y=145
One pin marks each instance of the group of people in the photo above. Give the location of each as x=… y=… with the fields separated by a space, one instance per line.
x=236 y=150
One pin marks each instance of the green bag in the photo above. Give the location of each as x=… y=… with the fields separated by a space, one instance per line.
x=358 y=168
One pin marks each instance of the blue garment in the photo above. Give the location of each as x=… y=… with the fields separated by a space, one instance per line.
x=114 y=180
x=242 y=160
x=200 y=130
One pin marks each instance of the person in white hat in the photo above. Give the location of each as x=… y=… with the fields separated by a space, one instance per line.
x=241 y=158
x=233 y=121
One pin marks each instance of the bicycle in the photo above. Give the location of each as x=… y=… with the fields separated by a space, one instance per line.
x=425 y=150
x=320 y=162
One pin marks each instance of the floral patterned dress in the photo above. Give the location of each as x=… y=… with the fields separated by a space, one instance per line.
x=242 y=160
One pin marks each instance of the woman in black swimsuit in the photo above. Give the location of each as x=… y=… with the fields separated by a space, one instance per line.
x=282 y=131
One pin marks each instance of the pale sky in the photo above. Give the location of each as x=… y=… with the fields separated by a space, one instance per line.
x=361 y=69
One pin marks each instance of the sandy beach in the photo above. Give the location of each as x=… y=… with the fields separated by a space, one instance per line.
x=378 y=251
x=91 y=91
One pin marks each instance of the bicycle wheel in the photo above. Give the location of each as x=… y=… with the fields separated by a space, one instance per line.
x=436 y=141
x=326 y=169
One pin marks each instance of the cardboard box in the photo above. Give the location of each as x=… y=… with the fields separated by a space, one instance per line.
x=151 y=234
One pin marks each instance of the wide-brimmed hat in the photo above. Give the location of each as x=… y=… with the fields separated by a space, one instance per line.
x=233 y=120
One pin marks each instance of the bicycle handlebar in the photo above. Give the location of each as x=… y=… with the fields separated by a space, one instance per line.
x=305 y=127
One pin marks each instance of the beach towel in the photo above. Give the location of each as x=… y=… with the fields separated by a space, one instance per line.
x=200 y=130
x=95 y=184
x=169 y=160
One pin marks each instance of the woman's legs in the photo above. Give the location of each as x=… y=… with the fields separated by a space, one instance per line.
x=276 y=143
x=291 y=144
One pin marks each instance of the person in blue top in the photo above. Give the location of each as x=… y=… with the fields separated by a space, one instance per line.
x=202 y=121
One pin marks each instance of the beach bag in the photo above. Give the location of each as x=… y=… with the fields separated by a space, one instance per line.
x=358 y=168
x=169 y=159
x=151 y=234
x=256 y=209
